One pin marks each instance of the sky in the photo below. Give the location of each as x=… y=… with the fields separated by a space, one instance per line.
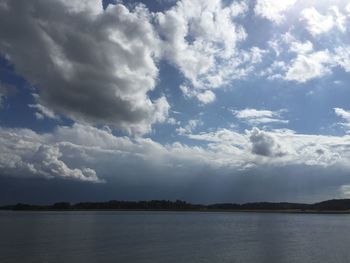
x=201 y=100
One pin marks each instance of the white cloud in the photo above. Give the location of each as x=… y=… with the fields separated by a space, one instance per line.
x=344 y=115
x=173 y=121
x=92 y=65
x=205 y=97
x=189 y=127
x=275 y=70
x=273 y=9
x=342 y=57
x=301 y=48
x=25 y=153
x=42 y=111
x=85 y=153
x=317 y=23
x=314 y=57
x=308 y=63
x=309 y=66
x=200 y=38
x=291 y=148
x=340 y=19
x=253 y=113
x=256 y=117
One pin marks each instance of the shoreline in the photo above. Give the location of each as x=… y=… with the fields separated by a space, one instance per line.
x=334 y=206
x=188 y=210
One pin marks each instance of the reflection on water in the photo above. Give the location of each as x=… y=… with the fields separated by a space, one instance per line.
x=173 y=237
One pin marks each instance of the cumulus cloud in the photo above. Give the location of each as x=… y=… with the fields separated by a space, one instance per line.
x=309 y=66
x=27 y=154
x=317 y=23
x=264 y=144
x=85 y=153
x=307 y=63
x=298 y=57
x=255 y=117
x=343 y=113
x=291 y=148
x=200 y=38
x=273 y=9
x=87 y=63
x=342 y=57
x=206 y=97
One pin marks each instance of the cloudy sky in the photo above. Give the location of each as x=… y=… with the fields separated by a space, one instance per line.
x=201 y=100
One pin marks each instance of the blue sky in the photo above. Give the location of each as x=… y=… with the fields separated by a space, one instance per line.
x=208 y=101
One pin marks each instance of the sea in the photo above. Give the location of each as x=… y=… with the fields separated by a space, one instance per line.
x=173 y=237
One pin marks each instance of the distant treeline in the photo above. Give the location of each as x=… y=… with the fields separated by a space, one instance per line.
x=330 y=205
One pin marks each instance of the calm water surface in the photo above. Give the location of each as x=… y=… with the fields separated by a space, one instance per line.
x=173 y=237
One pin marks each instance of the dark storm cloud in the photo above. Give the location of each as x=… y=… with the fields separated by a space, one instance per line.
x=205 y=185
x=88 y=64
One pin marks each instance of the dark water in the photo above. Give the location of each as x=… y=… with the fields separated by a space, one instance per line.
x=169 y=237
